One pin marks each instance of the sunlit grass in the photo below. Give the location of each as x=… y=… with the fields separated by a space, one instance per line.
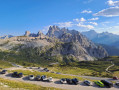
x=5 y=64
x=22 y=85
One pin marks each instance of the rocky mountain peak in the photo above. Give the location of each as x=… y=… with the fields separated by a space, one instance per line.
x=40 y=34
x=80 y=42
x=63 y=42
x=27 y=33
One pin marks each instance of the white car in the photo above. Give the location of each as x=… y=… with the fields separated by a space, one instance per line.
x=50 y=79
x=117 y=83
x=31 y=77
x=63 y=80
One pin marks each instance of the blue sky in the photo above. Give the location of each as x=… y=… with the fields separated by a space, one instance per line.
x=17 y=16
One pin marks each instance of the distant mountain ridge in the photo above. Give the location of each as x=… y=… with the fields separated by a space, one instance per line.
x=102 y=38
x=6 y=36
x=108 y=40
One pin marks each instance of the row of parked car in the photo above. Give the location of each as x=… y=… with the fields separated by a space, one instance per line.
x=75 y=81
x=101 y=83
x=40 y=78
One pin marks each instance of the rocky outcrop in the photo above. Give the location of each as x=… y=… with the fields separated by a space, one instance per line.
x=82 y=48
x=58 y=41
x=27 y=33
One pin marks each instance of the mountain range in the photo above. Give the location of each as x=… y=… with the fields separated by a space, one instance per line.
x=108 y=40
x=58 y=42
x=103 y=38
x=6 y=36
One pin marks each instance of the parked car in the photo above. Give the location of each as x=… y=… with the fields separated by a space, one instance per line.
x=117 y=83
x=20 y=75
x=31 y=77
x=75 y=81
x=45 y=69
x=115 y=78
x=14 y=74
x=43 y=78
x=38 y=78
x=50 y=79
x=58 y=73
x=39 y=67
x=87 y=82
x=99 y=83
x=107 y=83
x=30 y=67
x=3 y=71
x=69 y=81
x=63 y=80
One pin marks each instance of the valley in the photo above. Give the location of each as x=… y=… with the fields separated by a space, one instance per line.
x=66 y=54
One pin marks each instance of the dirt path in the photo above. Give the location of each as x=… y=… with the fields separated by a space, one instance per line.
x=107 y=69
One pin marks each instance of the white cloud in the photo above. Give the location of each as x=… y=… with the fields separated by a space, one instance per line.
x=94 y=19
x=109 y=12
x=82 y=19
x=112 y=3
x=94 y=23
x=77 y=20
x=85 y=26
x=65 y=24
x=86 y=11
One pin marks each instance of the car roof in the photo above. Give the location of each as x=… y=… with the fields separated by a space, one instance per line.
x=106 y=81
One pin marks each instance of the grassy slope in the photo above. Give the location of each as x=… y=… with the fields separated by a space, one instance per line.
x=16 y=84
x=91 y=68
x=4 y=64
x=87 y=68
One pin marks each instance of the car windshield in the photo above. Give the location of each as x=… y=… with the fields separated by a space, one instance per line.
x=87 y=82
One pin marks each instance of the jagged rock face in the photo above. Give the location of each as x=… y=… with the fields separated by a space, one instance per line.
x=41 y=35
x=27 y=33
x=82 y=48
x=62 y=42
x=54 y=31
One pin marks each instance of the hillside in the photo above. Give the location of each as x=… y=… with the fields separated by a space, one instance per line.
x=57 y=45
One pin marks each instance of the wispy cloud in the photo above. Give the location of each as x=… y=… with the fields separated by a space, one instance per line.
x=85 y=26
x=109 y=12
x=112 y=29
x=94 y=23
x=77 y=20
x=94 y=19
x=64 y=24
x=112 y=3
x=86 y=11
x=82 y=19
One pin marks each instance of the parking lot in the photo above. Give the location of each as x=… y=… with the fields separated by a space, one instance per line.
x=56 y=83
